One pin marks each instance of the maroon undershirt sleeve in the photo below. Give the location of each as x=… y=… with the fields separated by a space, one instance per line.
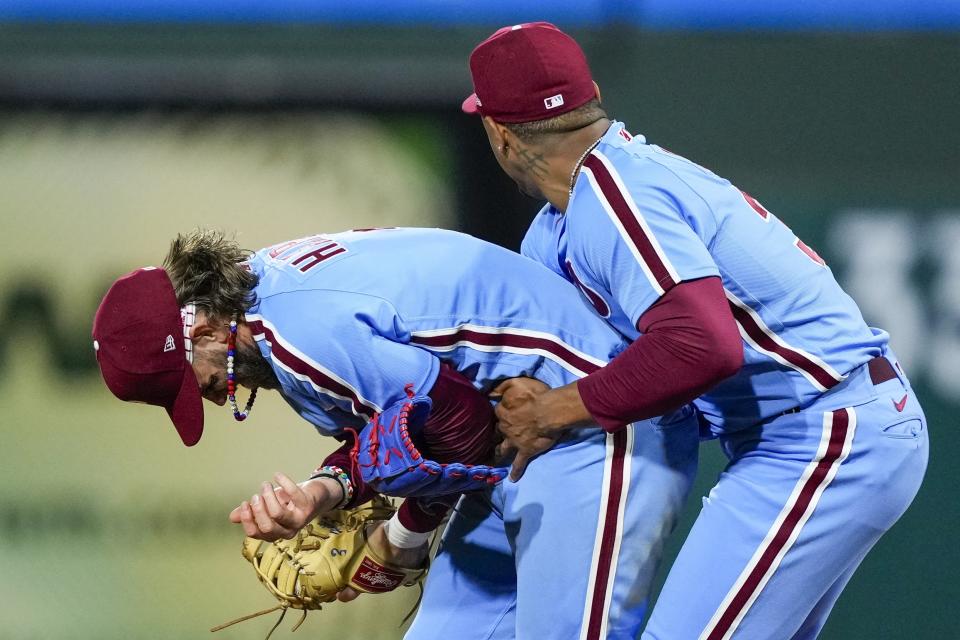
x=689 y=343
x=460 y=428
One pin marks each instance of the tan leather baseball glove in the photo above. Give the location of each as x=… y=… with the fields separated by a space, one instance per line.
x=329 y=554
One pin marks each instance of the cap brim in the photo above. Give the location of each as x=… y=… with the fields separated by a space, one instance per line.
x=187 y=409
x=470 y=105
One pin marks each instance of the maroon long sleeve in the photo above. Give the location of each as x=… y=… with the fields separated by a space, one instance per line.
x=460 y=428
x=689 y=343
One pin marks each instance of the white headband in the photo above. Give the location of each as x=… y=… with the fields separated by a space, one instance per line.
x=188 y=317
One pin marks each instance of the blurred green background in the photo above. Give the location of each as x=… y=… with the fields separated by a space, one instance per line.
x=115 y=137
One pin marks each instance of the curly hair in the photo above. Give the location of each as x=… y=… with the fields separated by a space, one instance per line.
x=209 y=270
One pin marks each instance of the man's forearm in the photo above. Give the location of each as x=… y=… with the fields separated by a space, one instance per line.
x=561 y=409
x=690 y=342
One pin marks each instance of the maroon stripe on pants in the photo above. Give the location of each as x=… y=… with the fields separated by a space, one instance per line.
x=617 y=201
x=797 y=359
x=608 y=535
x=840 y=422
x=319 y=378
x=506 y=340
x=611 y=509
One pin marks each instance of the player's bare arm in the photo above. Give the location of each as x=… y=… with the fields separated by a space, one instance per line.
x=279 y=512
x=459 y=430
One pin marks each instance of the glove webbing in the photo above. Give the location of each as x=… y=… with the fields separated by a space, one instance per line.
x=282 y=607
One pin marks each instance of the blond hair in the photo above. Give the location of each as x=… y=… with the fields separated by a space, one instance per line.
x=209 y=269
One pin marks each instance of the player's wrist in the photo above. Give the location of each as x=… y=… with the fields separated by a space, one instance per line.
x=407 y=557
x=403 y=538
x=325 y=492
x=559 y=410
x=337 y=476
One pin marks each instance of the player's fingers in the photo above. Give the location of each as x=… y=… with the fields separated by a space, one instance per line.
x=519 y=466
x=348 y=594
x=246 y=519
x=277 y=511
x=283 y=497
x=295 y=492
x=504 y=451
x=501 y=388
x=235 y=515
x=270 y=528
x=502 y=411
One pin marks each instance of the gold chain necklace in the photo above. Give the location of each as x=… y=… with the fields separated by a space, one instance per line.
x=576 y=167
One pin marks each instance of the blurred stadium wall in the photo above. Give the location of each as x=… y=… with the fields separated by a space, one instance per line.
x=122 y=124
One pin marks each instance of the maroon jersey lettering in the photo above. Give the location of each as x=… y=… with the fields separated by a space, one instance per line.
x=309 y=260
x=306 y=253
x=813 y=255
x=759 y=208
x=280 y=248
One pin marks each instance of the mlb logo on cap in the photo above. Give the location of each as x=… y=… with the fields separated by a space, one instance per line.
x=554 y=101
x=528 y=72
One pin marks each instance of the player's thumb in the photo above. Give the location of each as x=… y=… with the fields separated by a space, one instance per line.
x=518 y=467
x=348 y=594
x=501 y=388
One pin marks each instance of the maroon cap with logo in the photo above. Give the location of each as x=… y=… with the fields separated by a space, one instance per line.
x=528 y=72
x=138 y=337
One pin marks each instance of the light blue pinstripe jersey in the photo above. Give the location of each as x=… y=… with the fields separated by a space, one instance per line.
x=348 y=319
x=642 y=219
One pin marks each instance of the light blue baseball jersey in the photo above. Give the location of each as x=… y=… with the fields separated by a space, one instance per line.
x=348 y=320
x=642 y=219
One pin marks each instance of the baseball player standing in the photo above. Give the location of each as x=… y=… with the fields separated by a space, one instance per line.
x=342 y=325
x=723 y=304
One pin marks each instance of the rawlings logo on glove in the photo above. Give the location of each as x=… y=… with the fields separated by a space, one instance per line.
x=376 y=578
x=390 y=462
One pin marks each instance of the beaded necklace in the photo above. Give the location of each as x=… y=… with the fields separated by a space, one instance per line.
x=240 y=416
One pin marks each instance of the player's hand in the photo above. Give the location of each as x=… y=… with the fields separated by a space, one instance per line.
x=411 y=558
x=279 y=512
x=377 y=537
x=520 y=421
x=348 y=594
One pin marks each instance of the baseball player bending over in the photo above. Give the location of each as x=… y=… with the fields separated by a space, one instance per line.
x=345 y=326
x=725 y=306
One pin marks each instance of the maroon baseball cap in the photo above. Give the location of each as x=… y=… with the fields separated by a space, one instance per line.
x=528 y=72
x=138 y=337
